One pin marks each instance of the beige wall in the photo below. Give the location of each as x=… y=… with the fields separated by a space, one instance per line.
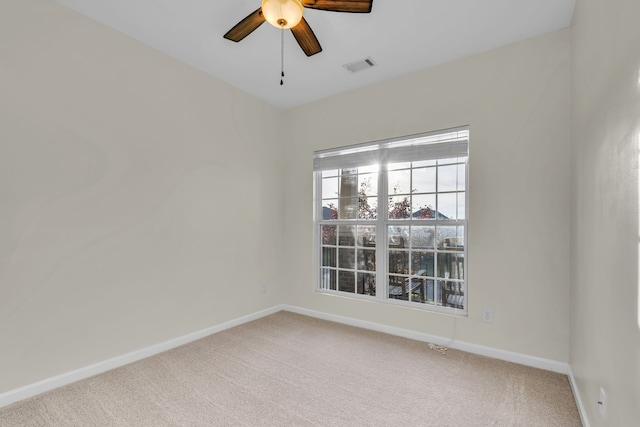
x=517 y=101
x=139 y=198
x=605 y=323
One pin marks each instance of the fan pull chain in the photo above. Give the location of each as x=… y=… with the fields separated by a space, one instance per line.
x=281 y=56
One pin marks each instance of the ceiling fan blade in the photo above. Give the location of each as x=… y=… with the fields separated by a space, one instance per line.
x=245 y=27
x=306 y=38
x=355 y=6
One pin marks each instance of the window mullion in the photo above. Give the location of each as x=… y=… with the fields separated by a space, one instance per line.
x=382 y=266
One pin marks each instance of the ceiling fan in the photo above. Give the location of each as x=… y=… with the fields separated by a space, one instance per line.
x=286 y=14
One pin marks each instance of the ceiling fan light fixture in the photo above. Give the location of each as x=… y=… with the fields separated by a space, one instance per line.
x=282 y=13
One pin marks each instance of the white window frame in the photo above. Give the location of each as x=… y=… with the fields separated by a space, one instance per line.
x=445 y=144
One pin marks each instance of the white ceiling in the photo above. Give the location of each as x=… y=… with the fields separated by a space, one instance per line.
x=401 y=36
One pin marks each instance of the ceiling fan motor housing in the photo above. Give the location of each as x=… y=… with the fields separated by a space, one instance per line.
x=282 y=13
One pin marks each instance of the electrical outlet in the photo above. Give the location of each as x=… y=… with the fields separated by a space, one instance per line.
x=602 y=403
x=263 y=288
x=487 y=315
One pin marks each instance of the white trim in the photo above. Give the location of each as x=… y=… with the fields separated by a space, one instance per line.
x=48 y=384
x=30 y=390
x=522 y=359
x=576 y=395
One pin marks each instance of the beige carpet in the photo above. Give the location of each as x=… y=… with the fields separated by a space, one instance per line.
x=292 y=370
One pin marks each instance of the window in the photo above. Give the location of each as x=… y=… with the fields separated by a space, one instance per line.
x=391 y=218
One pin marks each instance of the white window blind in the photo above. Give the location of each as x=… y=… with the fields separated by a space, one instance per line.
x=431 y=146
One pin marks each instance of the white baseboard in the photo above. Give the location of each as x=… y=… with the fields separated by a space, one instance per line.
x=522 y=359
x=30 y=390
x=576 y=395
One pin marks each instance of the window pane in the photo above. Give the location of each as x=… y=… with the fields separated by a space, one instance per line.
x=348 y=208
x=448 y=178
x=367 y=207
x=329 y=173
x=424 y=206
x=367 y=196
x=346 y=281
x=330 y=188
x=347 y=258
x=399 y=182
x=437 y=292
x=453 y=294
x=329 y=257
x=399 y=207
x=398 y=287
x=462 y=175
x=329 y=234
x=420 y=290
x=366 y=284
x=366 y=260
x=330 y=209
x=348 y=183
x=451 y=266
x=424 y=180
x=347 y=236
x=398 y=236
x=448 y=205
x=462 y=214
x=399 y=262
x=367 y=236
x=422 y=237
x=450 y=238
x=430 y=291
x=368 y=184
x=328 y=279
x=422 y=263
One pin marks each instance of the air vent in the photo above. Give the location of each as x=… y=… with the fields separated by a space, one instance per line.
x=363 y=64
